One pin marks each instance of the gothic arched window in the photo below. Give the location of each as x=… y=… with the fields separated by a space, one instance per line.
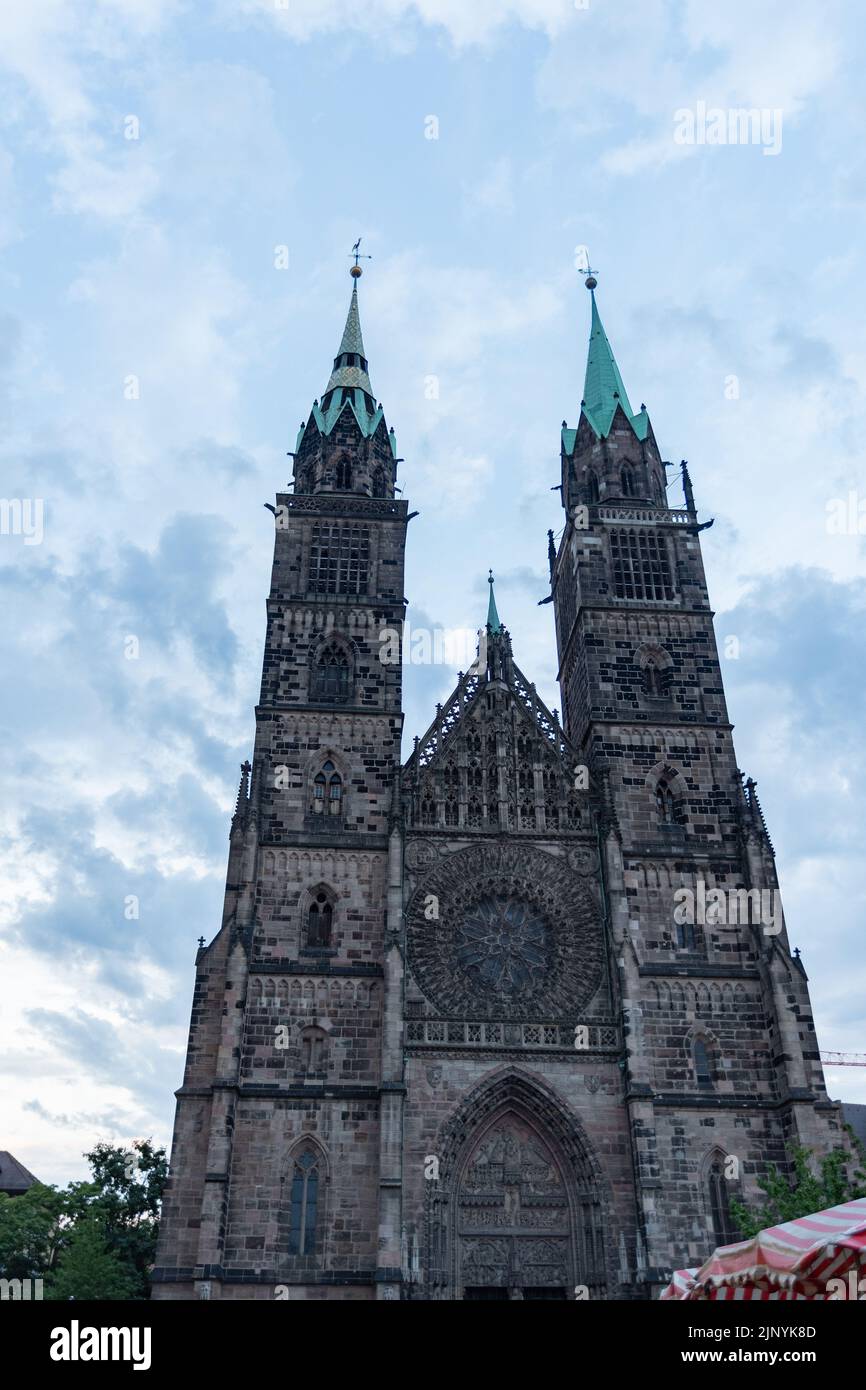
x=331 y=675
x=320 y=918
x=652 y=680
x=591 y=486
x=703 y=1063
x=627 y=480
x=724 y=1230
x=378 y=483
x=686 y=939
x=305 y=1203
x=665 y=803
x=344 y=475
x=328 y=791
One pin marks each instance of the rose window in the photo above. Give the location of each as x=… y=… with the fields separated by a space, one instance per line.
x=502 y=944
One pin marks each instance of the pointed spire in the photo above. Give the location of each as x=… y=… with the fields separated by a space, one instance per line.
x=603 y=385
x=350 y=364
x=352 y=340
x=492 y=616
x=348 y=386
x=603 y=388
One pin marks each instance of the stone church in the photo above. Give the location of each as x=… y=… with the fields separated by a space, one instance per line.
x=509 y=1019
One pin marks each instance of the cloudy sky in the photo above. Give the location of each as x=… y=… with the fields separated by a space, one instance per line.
x=180 y=184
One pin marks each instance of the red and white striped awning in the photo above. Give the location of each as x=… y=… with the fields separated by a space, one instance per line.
x=795 y=1260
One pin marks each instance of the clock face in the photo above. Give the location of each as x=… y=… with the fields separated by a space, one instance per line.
x=505 y=932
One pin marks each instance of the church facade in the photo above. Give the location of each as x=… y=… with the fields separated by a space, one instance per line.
x=517 y=1018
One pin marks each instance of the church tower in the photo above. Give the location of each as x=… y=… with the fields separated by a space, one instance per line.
x=722 y=1070
x=282 y=1126
x=518 y=1018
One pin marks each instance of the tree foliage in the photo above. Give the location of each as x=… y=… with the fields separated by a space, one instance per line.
x=30 y=1231
x=815 y=1185
x=90 y=1269
x=97 y=1234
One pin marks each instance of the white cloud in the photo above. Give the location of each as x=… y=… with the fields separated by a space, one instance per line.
x=464 y=21
x=494 y=191
x=649 y=61
x=453 y=482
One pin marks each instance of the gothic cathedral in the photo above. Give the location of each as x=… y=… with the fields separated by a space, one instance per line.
x=518 y=1017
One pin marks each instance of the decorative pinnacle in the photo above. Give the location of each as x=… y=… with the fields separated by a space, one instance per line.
x=244 y=788
x=356 y=270
x=492 y=615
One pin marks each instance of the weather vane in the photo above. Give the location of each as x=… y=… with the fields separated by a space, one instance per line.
x=356 y=269
x=590 y=280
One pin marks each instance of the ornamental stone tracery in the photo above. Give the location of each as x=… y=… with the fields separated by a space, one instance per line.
x=499 y=931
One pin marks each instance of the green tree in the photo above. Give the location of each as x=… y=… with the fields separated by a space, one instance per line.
x=123 y=1195
x=815 y=1185
x=115 y=1213
x=88 y=1269
x=31 y=1231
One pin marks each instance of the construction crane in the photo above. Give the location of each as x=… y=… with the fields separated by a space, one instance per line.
x=844 y=1059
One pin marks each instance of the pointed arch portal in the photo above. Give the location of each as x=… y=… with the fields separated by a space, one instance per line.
x=518 y=1211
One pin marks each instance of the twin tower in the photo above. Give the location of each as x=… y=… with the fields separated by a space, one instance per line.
x=517 y=1018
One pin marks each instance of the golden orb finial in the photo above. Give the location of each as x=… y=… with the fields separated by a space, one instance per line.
x=356 y=270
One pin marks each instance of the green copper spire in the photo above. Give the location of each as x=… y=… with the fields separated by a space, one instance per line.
x=349 y=386
x=492 y=616
x=350 y=364
x=603 y=388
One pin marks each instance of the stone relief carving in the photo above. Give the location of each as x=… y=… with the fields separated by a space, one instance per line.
x=420 y=853
x=583 y=861
x=513 y=1189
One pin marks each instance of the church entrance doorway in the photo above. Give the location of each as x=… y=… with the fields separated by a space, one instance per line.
x=521 y=1233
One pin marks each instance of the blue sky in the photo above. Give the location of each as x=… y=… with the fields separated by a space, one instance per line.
x=303 y=126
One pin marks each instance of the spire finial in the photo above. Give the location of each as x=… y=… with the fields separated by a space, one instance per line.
x=492 y=615
x=356 y=270
x=590 y=280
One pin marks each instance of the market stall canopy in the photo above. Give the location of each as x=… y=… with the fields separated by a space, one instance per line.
x=822 y=1256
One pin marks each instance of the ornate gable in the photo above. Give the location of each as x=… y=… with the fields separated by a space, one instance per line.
x=495 y=758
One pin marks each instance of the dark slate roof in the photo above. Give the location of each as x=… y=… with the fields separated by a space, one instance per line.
x=14 y=1177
